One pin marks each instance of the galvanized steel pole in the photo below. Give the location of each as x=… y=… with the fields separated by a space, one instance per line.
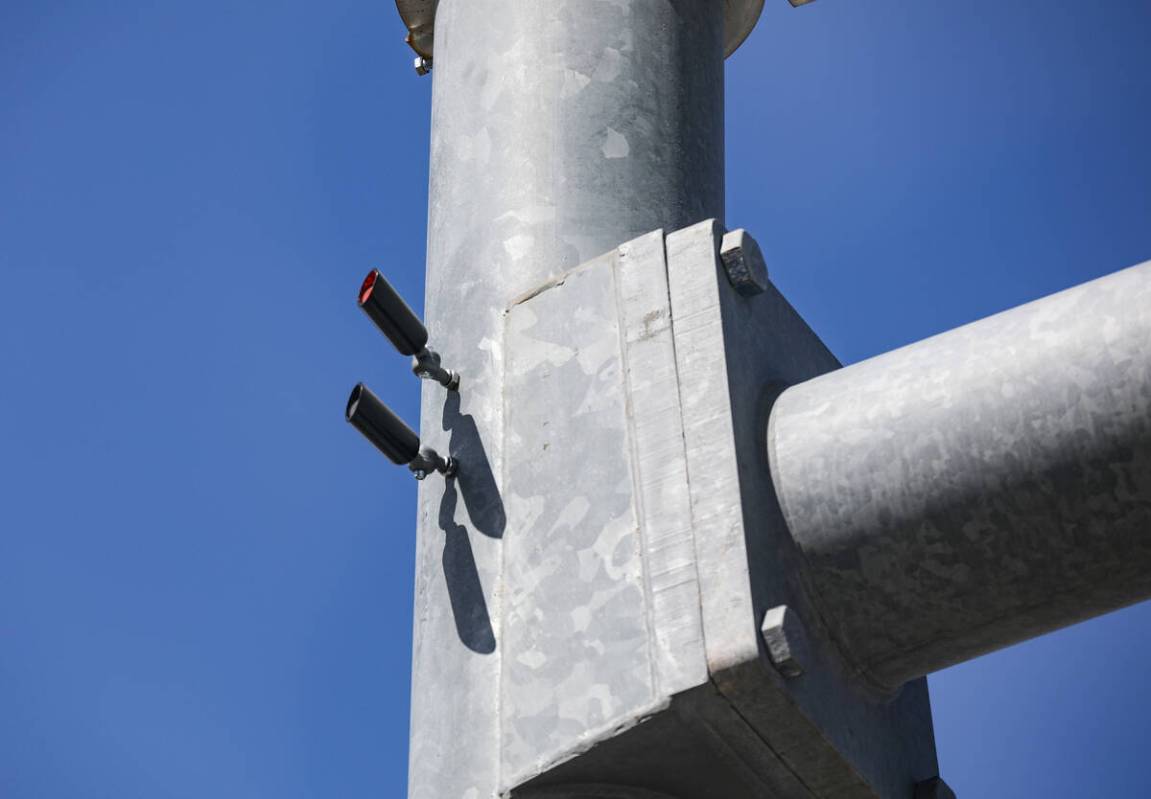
x=560 y=129
x=944 y=500
x=978 y=488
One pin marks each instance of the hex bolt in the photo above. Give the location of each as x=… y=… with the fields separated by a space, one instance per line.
x=934 y=788
x=783 y=634
x=743 y=262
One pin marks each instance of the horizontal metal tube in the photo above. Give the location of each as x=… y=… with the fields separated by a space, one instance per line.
x=977 y=488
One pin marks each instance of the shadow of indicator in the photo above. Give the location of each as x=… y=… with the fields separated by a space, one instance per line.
x=466 y=593
x=476 y=482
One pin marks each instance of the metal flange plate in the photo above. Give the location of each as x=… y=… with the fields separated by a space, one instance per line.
x=419 y=16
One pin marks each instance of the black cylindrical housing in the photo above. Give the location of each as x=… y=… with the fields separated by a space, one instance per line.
x=391 y=314
x=381 y=426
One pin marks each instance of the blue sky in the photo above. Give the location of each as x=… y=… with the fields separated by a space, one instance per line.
x=206 y=576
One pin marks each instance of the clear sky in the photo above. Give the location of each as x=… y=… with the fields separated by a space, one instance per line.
x=206 y=575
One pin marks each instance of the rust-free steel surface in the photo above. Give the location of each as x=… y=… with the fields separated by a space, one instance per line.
x=978 y=488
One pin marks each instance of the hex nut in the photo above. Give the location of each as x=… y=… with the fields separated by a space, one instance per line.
x=422 y=65
x=743 y=262
x=934 y=788
x=783 y=634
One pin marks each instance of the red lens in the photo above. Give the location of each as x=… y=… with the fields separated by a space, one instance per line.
x=368 y=285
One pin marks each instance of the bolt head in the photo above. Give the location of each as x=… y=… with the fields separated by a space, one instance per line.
x=743 y=262
x=422 y=65
x=783 y=635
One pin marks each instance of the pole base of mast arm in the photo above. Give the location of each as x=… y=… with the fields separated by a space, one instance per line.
x=652 y=634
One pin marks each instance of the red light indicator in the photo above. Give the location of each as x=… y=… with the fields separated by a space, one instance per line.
x=368 y=285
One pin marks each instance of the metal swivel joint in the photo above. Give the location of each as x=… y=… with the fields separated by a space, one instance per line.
x=404 y=329
x=380 y=425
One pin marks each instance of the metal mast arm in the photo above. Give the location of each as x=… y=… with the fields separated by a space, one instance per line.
x=980 y=487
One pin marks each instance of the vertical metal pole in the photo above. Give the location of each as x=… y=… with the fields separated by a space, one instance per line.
x=560 y=129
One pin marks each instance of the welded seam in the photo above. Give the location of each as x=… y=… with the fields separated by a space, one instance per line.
x=653 y=651
x=683 y=442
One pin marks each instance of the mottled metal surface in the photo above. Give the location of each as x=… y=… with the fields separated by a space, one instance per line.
x=636 y=382
x=577 y=658
x=560 y=129
x=601 y=602
x=599 y=377
x=980 y=487
x=655 y=436
x=828 y=736
x=419 y=17
x=614 y=636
